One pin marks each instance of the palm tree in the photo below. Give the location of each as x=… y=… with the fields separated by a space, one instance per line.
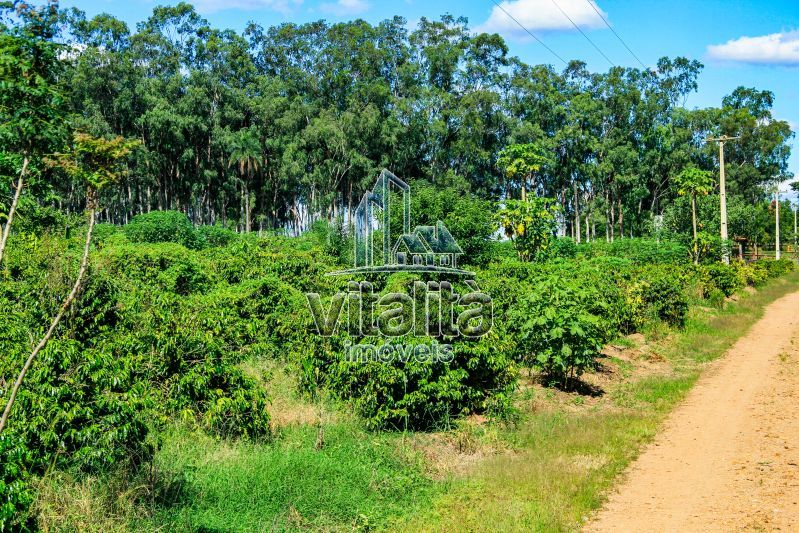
x=693 y=181
x=245 y=153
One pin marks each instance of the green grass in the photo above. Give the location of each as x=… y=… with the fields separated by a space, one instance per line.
x=565 y=462
x=355 y=480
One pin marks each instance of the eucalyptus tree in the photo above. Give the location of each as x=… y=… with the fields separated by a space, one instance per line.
x=763 y=148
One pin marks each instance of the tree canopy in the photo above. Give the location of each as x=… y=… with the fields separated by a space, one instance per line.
x=275 y=128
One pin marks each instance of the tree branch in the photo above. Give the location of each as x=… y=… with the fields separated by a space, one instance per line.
x=17 y=193
x=66 y=305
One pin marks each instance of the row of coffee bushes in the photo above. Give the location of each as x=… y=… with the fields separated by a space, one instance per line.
x=168 y=314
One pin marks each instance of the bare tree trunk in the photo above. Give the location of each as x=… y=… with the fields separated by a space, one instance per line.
x=349 y=208
x=693 y=221
x=577 y=229
x=13 y=209
x=587 y=226
x=247 y=210
x=612 y=219
x=67 y=303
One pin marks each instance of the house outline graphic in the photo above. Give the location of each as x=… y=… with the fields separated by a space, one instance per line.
x=423 y=249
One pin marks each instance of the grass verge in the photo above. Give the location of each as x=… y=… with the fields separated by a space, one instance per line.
x=356 y=480
x=563 y=461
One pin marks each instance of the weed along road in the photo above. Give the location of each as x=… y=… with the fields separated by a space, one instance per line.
x=727 y=458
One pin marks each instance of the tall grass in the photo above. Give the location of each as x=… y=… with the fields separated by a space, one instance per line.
x=355 y=480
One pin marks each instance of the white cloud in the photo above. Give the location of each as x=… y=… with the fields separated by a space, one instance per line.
x=541 y=15
x=281 y=6
x=773 y=49
x=343 y=8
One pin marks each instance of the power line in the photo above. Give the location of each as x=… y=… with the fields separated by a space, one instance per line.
x=530 y=33
x=583 y=33
x=598 y=12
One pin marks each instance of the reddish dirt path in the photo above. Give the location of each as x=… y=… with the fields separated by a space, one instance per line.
x=727 y=459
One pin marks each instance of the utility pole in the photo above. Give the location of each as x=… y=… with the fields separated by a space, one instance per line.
x=777 y=223
x=723 y=194
x=795 y=209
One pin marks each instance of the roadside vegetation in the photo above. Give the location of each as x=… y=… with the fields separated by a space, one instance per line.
x=168 y=198
x=193 y=373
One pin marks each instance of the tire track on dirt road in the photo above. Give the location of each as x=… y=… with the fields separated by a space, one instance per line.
x=727 y=458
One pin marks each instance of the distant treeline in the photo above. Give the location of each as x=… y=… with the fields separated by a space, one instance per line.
x=277 y=127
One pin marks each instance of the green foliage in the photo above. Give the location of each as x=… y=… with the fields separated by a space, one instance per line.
x=169 y=267
x=95 y=162
x=562 y=248
x=333 y=238
x=414 y=390
x=693 y=181
x=723 y=277
x=468 y=217
x=31 y=103
x=216 y=235
x=751 y=274
x=521 y=162
x=664 y=292
x=555 y=330
x=136 y=351
x=777 y=267
x=710 y=247
x=16 y=495
x=418 y=395
x=529 y=224
x=641 y=251
x=163 y=226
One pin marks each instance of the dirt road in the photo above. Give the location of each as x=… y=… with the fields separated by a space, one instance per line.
x=727 y=458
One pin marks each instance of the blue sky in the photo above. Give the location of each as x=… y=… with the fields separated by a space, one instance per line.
x=755 y=44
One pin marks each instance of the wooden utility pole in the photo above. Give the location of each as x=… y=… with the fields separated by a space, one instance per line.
x=723 y=194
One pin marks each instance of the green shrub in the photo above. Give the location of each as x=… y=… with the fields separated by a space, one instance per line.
x=163 y=226
x=554 y=330
x=16 y=494
x=776 y=268
x=561 y=248
x=469 y=218
x=334 y=240
x=750 y=274
x=721 y=276
x=664 y=293
x=216 y=235
x=410 y=393
x=131 y=355
x=247 y=259
x=170 y=267
x=104 y=232
x=413 y=390
x=641 y=251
